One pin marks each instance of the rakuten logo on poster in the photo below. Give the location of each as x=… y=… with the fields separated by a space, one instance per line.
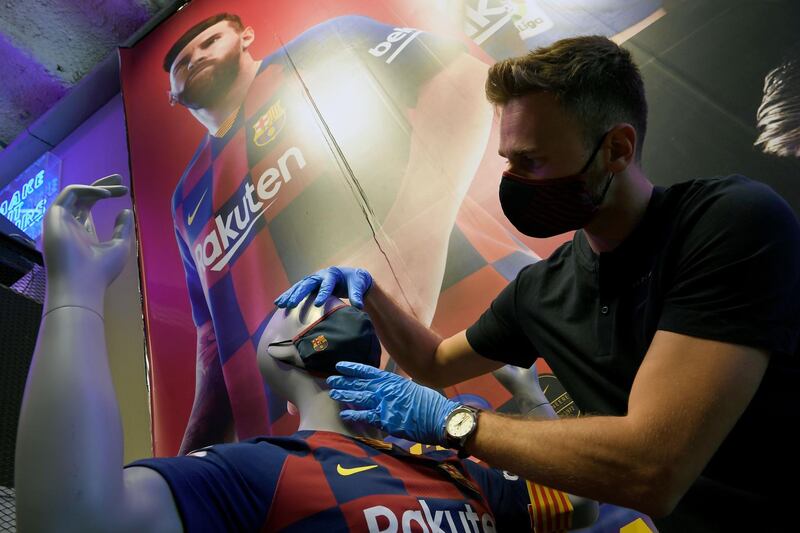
x=231 y=228
x=382 y=519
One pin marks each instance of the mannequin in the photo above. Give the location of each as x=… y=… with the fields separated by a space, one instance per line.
x=69 y=467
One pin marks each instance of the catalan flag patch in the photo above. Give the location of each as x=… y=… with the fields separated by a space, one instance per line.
x=550 y=510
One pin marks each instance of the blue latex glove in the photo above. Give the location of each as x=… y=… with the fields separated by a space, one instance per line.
x=393 y=403
x=342 y=282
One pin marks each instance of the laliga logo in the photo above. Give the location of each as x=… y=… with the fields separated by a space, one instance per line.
x=232 y=228
x=400 y=35
x=381 y=519
x=484 y=18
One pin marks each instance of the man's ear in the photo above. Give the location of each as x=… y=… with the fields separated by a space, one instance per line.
x=247 y=37
x=622 y=147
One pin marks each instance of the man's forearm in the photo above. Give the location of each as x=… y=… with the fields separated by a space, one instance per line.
x=603 y=458
x=411 y=344
x=210 y=422
x=211 y=419
x=69 y=445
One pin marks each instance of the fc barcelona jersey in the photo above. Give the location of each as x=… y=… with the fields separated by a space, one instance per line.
x=323 y=481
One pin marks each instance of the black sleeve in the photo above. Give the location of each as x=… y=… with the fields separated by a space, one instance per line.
x=737 y=277
x=498 y=334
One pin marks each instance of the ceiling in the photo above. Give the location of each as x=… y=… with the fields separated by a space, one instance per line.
x=48 y=46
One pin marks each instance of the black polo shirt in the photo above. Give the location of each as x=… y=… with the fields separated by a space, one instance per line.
x=716 y=258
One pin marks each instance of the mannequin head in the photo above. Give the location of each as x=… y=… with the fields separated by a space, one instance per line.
x=300 y=348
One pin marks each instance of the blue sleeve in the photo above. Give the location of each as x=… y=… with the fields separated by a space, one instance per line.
x=227 y=487
x=507 y=495
x=400 y=59
x=197 y=299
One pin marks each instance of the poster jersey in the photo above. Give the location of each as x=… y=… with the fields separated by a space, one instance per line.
x=275 y=198
x=285 y=190
x=323 y=481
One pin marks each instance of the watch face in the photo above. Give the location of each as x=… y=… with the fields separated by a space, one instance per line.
x=460 y=424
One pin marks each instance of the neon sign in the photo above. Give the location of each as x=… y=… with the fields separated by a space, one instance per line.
x=24 y=200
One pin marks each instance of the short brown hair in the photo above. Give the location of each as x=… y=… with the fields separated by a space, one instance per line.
x=592 y=77
x=196 y=30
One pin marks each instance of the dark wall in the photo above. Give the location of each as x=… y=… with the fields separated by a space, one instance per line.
x=704 y=65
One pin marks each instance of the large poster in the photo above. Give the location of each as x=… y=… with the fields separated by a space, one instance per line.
x=355 y=133
x=344 y=132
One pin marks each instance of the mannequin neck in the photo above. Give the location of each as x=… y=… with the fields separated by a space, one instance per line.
x=318 y=412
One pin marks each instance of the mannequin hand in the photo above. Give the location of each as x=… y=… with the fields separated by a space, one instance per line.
x=391 y=402
x=523 y=384
x=79 y=267
x=343 y=282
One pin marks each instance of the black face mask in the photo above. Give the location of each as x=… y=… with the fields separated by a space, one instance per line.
x=345 y=333
x=547 y=207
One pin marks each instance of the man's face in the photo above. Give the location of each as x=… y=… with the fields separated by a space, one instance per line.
x=541 y=140
x=206 y=67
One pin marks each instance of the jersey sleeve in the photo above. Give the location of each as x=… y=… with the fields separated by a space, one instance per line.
x=400 y=59
x=737 y=276
x=519 y=505
x=197 y=299
x=222 y=488
x=497 y=334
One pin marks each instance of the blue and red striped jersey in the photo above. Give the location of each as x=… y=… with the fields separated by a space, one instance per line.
x=273 y=199
x=323 y=481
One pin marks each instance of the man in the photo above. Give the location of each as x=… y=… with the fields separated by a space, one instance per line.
x=69 y=472
x=340 y=146
x=672 y=316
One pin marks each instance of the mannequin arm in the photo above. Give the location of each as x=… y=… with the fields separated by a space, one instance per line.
x=69 y=445
x=523 y=384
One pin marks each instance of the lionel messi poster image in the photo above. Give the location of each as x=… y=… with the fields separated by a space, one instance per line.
x=269 y=141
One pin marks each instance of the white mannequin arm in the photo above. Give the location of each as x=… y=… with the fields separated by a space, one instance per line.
x=523 y=384
x=69 y=454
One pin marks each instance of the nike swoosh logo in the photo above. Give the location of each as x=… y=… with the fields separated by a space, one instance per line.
x=545 y=389
x=350 y=471
x=194 y=213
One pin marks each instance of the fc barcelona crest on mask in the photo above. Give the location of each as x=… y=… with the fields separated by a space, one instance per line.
x=319 y=343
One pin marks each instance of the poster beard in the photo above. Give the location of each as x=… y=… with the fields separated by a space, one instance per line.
x=210 y=82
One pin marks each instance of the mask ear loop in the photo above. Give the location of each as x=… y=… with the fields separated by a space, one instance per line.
x=287 y=342
x=589 y=162
x=594 y=153
x=605 y=189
